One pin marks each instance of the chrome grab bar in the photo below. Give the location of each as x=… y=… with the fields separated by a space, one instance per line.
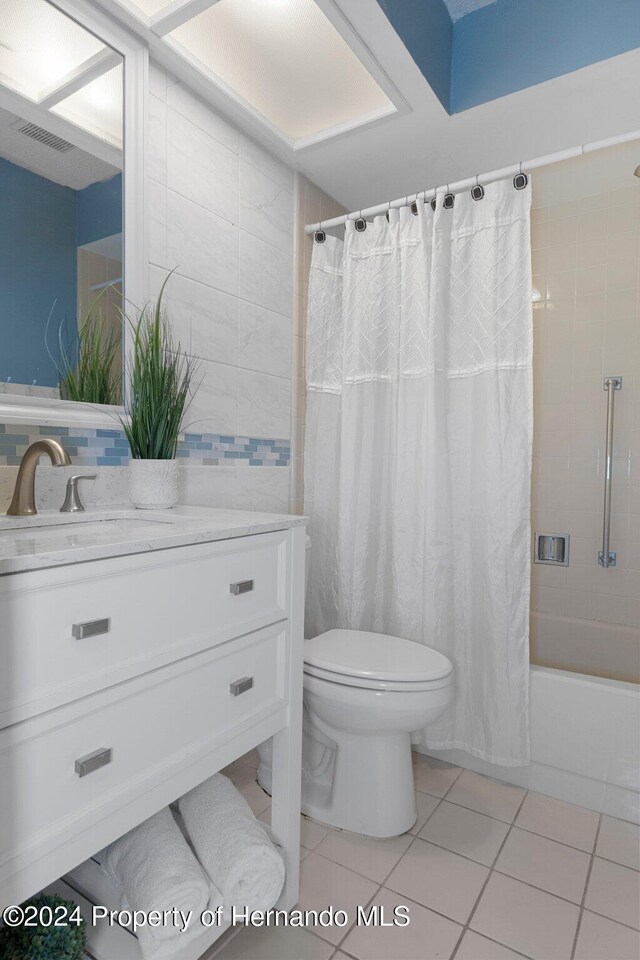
x=605 y=557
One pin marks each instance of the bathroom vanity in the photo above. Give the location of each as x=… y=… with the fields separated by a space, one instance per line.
x=139 y=654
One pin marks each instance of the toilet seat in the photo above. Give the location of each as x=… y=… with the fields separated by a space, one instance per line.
x=375 y=661
x=364 y=683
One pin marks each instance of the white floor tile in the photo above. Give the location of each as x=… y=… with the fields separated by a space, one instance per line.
x=614 y=890
x=258 y=800
x=243 y=777
x=324 y=883
x=275 y=943
x=427 y=937
x=251 y=759
x=545 y=863
x=439 y=879
x=373 y=858
x=425 y=805
x=528 y=920
x=238 y=771
x=475 y=947
x=220 y=944
x=619 y=840
x=600 y=938
x=466 y=832
x=559 y=820
x=312 y=832
x=433 y=776
x=499 y=800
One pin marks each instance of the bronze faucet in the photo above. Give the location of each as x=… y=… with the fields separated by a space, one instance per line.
x=24 y=494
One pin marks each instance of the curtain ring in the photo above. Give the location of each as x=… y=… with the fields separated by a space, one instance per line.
x=434 y=200
x=320 y=236
x=388 y=210
x=477 y=192
x=521 y=179
x=414 y=205
x=361 y=224
x=449 y=200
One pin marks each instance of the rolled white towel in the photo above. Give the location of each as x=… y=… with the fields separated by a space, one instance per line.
x=232 y=846
x=156 y=870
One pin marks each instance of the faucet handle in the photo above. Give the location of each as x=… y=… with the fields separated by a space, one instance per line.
x=72 y=502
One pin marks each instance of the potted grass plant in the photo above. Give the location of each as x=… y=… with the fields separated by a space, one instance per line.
x=160 y=387
x=89 y=368
x=42 y=940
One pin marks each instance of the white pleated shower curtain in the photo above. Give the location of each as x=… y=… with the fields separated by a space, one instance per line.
x=418 y=449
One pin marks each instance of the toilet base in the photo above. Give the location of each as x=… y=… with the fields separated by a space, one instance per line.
x=371 y=786
x=364 y=785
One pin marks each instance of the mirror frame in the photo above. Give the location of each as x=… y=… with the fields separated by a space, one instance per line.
x=15 y=408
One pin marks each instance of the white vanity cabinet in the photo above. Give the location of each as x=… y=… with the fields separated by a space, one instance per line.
x=126 y=681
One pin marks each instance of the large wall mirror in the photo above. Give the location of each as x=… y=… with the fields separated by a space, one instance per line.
x=62 y=227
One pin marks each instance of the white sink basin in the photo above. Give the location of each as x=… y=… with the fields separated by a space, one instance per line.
x=121 y=520
x=55 y=531
x=80 y=532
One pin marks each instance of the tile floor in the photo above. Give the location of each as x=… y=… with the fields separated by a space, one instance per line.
x=489 y=872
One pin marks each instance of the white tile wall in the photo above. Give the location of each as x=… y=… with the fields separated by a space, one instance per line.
x=586 y=260
x=221 y=213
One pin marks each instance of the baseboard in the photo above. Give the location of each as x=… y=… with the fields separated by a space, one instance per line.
x=596 y=795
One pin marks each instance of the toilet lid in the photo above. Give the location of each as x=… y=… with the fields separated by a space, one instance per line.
x=375 y=656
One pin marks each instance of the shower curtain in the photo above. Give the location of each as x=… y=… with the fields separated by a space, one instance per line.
x=418 y=449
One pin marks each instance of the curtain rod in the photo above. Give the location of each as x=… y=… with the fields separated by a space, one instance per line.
x=483 y=179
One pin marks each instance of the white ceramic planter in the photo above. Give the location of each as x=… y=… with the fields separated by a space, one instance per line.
x=153 y=484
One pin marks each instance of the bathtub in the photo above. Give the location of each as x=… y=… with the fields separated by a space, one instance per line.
x=585 y=743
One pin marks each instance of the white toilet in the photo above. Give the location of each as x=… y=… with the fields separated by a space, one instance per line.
x=364 y=694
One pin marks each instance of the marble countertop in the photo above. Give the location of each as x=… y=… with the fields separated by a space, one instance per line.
x=52 y=539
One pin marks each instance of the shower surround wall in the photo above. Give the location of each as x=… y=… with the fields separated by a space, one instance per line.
x=220 y=213
x=586 y=256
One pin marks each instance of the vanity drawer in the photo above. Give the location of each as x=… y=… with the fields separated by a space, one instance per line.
x=156 y=728
x=71 y=631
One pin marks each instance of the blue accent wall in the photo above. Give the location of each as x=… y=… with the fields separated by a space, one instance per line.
x=100 y=210
x=425 y=28
x=41 y=226
x=509 y=45
x=37 y=266
x=514 y=44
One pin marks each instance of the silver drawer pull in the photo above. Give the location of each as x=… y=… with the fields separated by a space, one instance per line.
x=242 y=586
x=241 y=686
x=91 y=628
x=93 y=761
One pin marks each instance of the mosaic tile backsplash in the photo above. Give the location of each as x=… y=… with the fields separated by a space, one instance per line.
x=109 y=448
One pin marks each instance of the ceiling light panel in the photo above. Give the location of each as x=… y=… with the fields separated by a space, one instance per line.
x=151 y=7
x=40 y=46
x=287 y=60
x=97 y=107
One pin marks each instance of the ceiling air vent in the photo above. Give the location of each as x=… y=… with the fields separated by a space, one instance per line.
x=43 y=136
